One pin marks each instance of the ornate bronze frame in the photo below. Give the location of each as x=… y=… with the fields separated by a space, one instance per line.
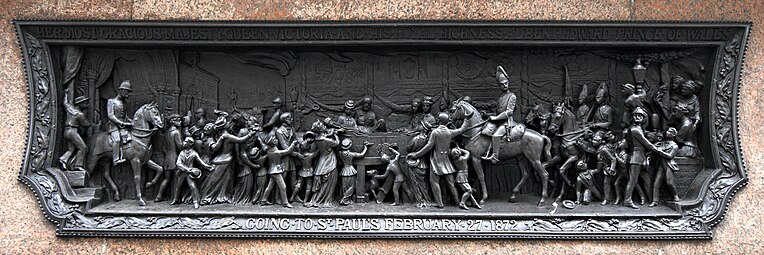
x=698 y=217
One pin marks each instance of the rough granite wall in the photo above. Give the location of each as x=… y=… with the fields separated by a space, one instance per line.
x=23 y=229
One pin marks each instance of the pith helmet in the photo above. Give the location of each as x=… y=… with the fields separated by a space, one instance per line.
x=125 y=85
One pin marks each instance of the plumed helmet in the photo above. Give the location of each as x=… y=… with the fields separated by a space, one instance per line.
x=501 y=75
x=125 y=85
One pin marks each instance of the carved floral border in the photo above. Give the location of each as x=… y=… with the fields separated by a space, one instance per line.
x=697 y=223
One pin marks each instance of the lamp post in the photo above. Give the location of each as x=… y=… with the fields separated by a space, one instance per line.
x=639 y=72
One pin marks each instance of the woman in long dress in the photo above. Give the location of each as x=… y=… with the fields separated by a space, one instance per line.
x=216 y=188
x=325 y=178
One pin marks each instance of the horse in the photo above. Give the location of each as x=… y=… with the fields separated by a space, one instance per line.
x=565 y=128
x=531 y=146
x=146 y=121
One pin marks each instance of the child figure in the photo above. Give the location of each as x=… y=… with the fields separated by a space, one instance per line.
x=585 y=183
x=459 y=158
x=306 y=155
x=391 y=159
x=276 y=171
x=261 y=173
x=666 y=166
x=186 y=171
x=348 y=170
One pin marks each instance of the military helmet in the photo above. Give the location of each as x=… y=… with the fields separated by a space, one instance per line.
x=125 y=85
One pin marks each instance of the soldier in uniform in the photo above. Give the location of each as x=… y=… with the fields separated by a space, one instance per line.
x=118 y=121
x=505 y=109
x=638 y=160
x=74 y=120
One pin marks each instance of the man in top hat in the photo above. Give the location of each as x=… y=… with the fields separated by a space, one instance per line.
x=173 y=143
x=74 y=120
x=118 y=120
x=504 y=111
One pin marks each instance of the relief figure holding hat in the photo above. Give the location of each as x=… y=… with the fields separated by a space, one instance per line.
x=187 y=172
x=76 y=149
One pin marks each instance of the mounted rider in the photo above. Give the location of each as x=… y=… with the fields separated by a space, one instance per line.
x=498 y=125
x=118 y=121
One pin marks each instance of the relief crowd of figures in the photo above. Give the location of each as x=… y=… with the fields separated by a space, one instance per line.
x=260 y=157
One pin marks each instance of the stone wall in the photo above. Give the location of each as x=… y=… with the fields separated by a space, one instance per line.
x=25 y=229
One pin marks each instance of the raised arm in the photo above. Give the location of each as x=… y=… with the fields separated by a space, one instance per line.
x=327 y=107
x=396 y=155
x=393 y=106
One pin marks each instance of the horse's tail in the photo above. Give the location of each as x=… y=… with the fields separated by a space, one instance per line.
x=547 y=148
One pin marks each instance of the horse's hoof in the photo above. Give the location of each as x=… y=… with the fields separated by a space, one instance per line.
x=482 y=201
x=541 y=203
x=141 y=202
x=513 y=198
x=117 y=197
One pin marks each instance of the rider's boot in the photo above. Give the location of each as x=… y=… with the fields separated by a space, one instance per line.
x=116 y=152
x=495 y=142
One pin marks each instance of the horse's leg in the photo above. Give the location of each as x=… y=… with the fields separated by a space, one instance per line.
x=535 y=160
x=136 y=165
x=107 y=175
x=524 y=171
x=478 y=164
x=571 y=161
x=160 y=172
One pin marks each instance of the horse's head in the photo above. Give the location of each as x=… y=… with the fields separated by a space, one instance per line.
x=149 y=114
x=557 y=118
x=460 y=109
x=538 y=117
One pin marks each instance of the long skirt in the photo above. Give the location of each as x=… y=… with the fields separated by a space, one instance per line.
x=324 y=187
x=348 y=190
x=215 y=189
x=242 y=192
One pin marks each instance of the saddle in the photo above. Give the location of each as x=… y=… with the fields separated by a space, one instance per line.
x=124 y=135
x=513 y=134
